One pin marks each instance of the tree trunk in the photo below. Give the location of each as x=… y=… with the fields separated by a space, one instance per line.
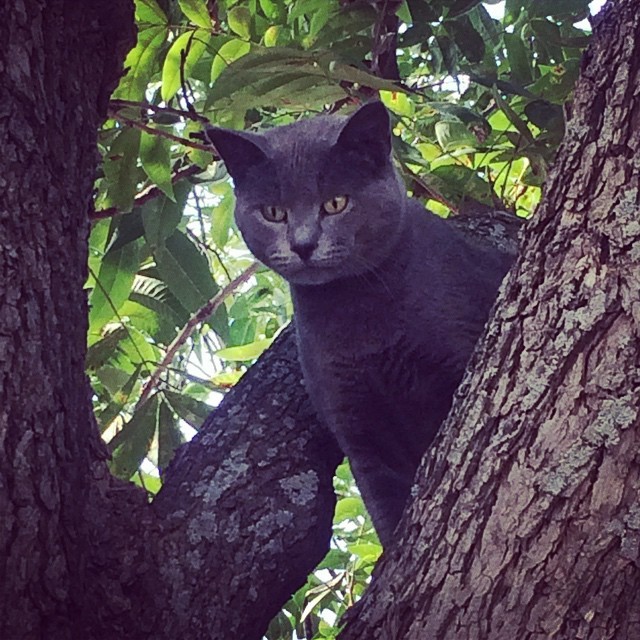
x=59 y=66
x=527 y=520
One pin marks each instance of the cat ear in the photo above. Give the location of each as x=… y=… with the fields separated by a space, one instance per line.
x=240 y=150
x=368 y=132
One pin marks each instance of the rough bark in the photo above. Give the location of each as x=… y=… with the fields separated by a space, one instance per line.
x=250 y=514
x=58 y=65
x=527 y=518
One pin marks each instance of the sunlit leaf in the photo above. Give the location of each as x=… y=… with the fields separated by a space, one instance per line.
x=113 y=285
x=227 y=53
x=148 y=11
x=155 y=157
x=141 y=62
x=130 y=445
x=184 y=53
x=119 y=167
x=245 y=351
x=239 y=19
x=196 y=11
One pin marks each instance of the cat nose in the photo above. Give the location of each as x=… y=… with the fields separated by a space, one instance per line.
x=304 y=248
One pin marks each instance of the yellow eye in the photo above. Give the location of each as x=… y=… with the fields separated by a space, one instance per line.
x=335 y=205
x=273 y=214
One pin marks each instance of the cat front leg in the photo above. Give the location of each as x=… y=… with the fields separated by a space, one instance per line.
x=385 y=493
x=382 y=469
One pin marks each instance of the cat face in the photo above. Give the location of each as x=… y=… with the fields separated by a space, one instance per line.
x=318 y=200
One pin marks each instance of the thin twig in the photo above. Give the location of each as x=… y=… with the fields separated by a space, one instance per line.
x=147 y=194
x=131 y=104
x=200 y=315
x=158 y=132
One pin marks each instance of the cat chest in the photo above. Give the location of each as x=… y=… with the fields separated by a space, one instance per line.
x=374 y=363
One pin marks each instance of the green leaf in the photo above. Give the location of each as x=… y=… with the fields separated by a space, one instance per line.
x=161 y=216
x=246 y=351
x=193 y=411
x=196 y=11
x=272 y=10
x=541 y=8
x=101 y=349
x=226 y=380
x=155 y=295
x=149 y=483
x=452 y=135
x=468 y=40
x=113 y=285
x=125 y=229
x=514 y=118
x=366 y=551
x=148 y=11
x=271 y=35
x=120 y=170
x=185 y=51
x=120 y=398
x=513 y=9
x=155 y=157
x=239 y=19
x=458 y=7
x=130 y=446
x=185 y=271
x=348 y=508
x=112 y=378
x=227 y=53
x=519 y=58
x=457 y=182
x=169 y=435
x=398 y=102
x=222 y=215
x=135 y=350
x=266 y=75
x=141 y=63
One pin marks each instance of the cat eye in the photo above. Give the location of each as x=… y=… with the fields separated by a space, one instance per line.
x=335 y=205
x=273 y=214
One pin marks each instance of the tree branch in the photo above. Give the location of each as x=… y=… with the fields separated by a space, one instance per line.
x=147 y=194
x=200 y=316
x=158 y=132
x=119 y=103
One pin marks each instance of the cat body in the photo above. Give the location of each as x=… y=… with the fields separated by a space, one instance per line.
x=389 y=299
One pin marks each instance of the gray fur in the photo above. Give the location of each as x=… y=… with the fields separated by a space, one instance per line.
x=389 y=300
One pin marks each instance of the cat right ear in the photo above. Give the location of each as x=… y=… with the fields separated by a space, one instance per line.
x=240 y=150
x=367 y=132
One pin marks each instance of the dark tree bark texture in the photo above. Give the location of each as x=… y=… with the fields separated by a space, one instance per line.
x=248 y=504
x=527 y=517
x=58 y=66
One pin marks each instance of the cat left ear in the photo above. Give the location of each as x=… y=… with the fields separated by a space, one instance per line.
x=368 y=132
x=240 y=150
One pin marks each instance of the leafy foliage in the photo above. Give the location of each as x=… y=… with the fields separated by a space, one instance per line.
x=478 y=113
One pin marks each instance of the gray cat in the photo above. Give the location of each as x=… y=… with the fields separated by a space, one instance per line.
x=389 y=299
